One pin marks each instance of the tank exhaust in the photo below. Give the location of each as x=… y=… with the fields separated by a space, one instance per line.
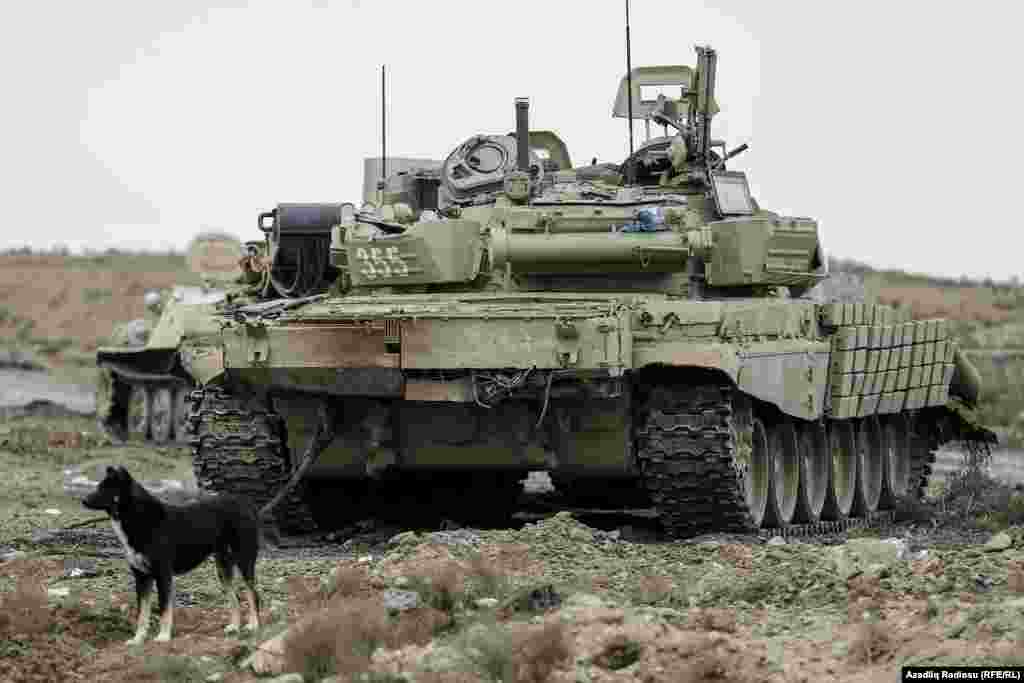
x=523 y=134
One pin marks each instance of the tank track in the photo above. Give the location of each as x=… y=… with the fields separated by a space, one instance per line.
x=243 y=451
x=880 y=519
x=688 y=430
x=922 y=461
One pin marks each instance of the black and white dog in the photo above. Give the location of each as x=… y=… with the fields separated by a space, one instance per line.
x=161 y=541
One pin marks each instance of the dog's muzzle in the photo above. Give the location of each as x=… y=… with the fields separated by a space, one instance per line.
x=94 y=501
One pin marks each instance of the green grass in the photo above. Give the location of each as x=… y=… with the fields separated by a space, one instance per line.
x=175 y=669
x=34 y=472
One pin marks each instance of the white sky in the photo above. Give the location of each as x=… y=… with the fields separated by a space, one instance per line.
x=136 y=124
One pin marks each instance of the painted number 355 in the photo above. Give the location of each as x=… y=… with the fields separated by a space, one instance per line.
x=375 y=262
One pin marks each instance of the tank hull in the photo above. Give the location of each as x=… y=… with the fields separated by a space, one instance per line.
x=574 y=384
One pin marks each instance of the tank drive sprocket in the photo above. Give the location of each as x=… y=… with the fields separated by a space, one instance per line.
x=687 y=445
x=241 y=449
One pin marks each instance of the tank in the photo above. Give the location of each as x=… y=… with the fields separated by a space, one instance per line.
x=640 y=330
x=146 y=373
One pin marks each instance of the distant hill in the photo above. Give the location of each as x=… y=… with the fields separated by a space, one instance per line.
x=63 y=306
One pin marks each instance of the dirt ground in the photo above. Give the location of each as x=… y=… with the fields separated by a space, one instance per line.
x=75 y=302
x=551 y=600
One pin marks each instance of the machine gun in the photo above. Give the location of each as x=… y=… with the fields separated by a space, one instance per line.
x=686 y=104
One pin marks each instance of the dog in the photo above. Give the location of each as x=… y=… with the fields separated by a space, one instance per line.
x=162 y=541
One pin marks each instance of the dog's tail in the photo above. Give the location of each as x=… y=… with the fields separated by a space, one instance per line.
x=270 y=536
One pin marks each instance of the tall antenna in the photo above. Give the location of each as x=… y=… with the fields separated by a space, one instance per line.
x=629 y=100
x=383 y=127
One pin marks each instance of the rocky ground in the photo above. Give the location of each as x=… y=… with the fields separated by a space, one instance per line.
x=562 y=598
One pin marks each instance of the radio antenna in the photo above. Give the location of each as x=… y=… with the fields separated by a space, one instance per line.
x=383 y=126
x=629 y=99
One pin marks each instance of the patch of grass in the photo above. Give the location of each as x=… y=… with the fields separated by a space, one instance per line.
x=441 y=586
x=618 y=652
x=23 y=330
x=14 y=648
x=526 y=653
x=109 y=624
x=91 y=295
x=1005 y=509
x=174 y=669
x=35 y=479
x=447 y=677
x=931 y=610
x=970 y=660
x=486 y=578
x=54 y=344
x=489 y=648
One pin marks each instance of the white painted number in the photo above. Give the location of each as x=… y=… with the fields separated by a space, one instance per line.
x=401 y=269
x=376 y=262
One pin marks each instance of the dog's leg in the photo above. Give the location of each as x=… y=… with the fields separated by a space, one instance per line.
x=226 y=574
x=165 y=593
x=143 y=606
x=248 y=569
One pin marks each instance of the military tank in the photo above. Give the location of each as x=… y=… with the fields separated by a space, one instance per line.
x=146 y=373
x=640 y=330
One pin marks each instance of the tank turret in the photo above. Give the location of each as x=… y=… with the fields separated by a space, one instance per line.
x=686 y=225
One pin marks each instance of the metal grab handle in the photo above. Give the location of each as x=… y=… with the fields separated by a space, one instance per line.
x=262 y=216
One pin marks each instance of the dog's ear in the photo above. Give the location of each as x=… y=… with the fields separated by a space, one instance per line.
x=112 y=472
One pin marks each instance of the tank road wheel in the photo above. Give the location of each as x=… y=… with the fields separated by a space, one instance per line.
x=179 y=421
x=139 y=412
x=812 y=441
x=755 y=463
x=784 y=460
x=842 y=470
x=241 y=449
x=869 y=466
x=896 y=449
x=162 y=417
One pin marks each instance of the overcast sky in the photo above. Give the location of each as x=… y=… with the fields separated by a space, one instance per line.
x=896 y=124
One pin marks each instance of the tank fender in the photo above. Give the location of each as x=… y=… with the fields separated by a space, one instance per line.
x=204 y=363
x=790 y=374
x=138 y=362
x=966 y=382
x=184 y=321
